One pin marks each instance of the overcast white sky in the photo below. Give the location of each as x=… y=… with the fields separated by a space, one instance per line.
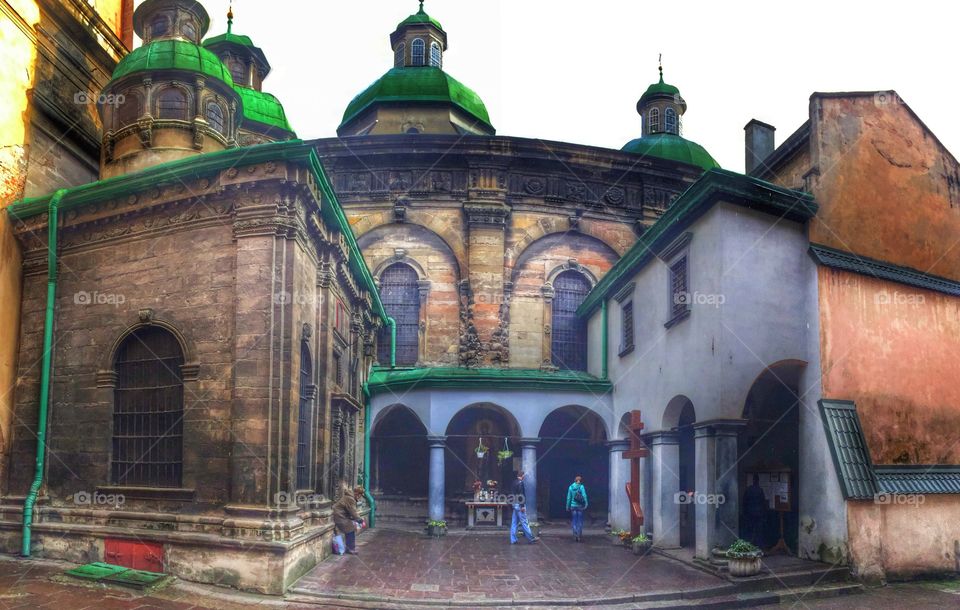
x=572 y=71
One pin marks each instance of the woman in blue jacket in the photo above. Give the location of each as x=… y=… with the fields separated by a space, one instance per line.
x=576 y=504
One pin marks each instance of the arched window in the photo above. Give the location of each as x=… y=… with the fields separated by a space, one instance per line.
x=399 y=55
x=654 y=120
x=305 y=419
x=670 y=120
x=189 y=31
x=215 y=116
x=401 y=298
x=172 y=104
x=238 y=70
x=436 y=58
x=129 y=110
x=160 y=26
x=148 y=410
x=568 y=349
x=417 y=58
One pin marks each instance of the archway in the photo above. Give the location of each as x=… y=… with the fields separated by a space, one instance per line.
x=490 y=424
x=399 y=455
x=680 y=417
x=769 y=447
x=573 y=441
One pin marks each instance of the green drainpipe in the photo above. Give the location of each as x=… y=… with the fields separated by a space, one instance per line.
x=367 y=467
x=393 y=342
x=31 y=498
x=603 y=340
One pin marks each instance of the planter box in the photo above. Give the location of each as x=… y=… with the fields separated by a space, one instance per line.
x=642 y=548
x=744 y=566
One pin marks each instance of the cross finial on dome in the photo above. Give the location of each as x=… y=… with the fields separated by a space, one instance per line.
x=660 y=61
x=421 y=7
x=230 y=17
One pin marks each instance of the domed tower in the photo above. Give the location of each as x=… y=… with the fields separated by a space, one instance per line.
x=263 y=118
x=169 y=98
x=661 y=107
x=417 y=96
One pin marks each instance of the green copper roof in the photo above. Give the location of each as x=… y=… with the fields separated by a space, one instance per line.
x=661 y=88
x=673 y=148
x=229 y=39
x=263 y=108
x=420 y=17
x=172 y=54
x=392 y=380
x=418 y=84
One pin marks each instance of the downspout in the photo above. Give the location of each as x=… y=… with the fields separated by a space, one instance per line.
x=367 y=467
x=393 y=342
x=31 y=498
x=604 y=357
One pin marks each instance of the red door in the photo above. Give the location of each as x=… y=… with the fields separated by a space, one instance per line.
x=133 y=554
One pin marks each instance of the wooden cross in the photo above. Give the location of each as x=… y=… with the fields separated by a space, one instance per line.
x=637 y=450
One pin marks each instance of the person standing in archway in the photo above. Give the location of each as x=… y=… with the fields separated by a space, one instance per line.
x=755 y=509
x=520 y=511
x=576 y=504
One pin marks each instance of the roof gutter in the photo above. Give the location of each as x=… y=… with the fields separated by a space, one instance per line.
x=31 y=498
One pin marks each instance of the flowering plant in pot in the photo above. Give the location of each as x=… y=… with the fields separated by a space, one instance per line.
x=505 y=453
x=481 y=450
x=743 y=558
x=534 y=528
x=436 y=528
x=621 y=538
x=641 y=544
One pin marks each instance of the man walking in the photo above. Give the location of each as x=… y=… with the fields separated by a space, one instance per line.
x=520 y=512
x=755 y=508
x=576 y=504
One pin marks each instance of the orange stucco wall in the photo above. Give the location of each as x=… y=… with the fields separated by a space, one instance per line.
x=887 y=188
x=893 y=350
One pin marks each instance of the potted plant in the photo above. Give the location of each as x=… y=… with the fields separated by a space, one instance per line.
x=505 y=453
x=621 y=538
x=481 y=450
x=743 y=558
x=641 y=544
x=436 y=528
x=534 y=528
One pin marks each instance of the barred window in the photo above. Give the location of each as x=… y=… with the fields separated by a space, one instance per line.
x=654 y=120
x=569 y=332
x=626 y=328
x=401 y=299
x=436 y=58
x=172 y=104
x=128 y=111
x=338 y=368
x=399 y=56
x=215 y=116
x=238 y=71
x=305 y=419
x=418 y=50
x=670 y=120
x=148 y=410
x=679 y=288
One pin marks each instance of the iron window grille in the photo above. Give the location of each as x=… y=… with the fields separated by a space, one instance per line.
x=436 y=58
x=398 y=55
x=670 y=120
x=305 y=418
x=148 y=410
x=215 y=116
x=400 y=295
x=654 y=119
x=679 y=291
x=568 y=348
x=626 y=329
x=418 y=50
x=172 y=104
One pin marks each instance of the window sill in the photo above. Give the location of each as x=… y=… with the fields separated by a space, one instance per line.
x=625 y=350
x=680 y=317
x=176 y=494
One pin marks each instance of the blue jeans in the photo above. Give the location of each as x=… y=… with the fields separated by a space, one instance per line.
x=577 y=521
x=519 y=517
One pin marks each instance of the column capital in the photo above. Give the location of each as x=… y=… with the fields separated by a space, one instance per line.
x=618 y=444
x=662 y=437
x=531 y=441
x=437 y=441
x=719 y=427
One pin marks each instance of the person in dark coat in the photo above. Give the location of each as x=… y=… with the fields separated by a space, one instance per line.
x=520 y=512
x=755 y=511
x=346 y=517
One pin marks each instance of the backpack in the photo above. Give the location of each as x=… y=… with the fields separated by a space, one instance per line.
x=578 y=496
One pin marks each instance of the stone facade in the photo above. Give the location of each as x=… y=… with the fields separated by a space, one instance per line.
x=245 y=272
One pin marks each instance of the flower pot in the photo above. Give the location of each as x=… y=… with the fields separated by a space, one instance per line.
x=744 y=566
x=481 y=454
x=535 y=529
x=642 y=548
x=436 y=531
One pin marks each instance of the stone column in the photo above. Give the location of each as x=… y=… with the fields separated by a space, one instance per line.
x=717 y=500
x=437 y=498
x=619 y=517
x=528 y=447
x=665 y=455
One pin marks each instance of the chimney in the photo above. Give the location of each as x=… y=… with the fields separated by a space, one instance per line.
x=758 y=144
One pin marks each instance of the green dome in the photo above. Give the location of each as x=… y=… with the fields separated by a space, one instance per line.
x=673 y=148
x=661 y=88
x=229 y=39
x=172 y=54
x=263 y=108
x=418 y=18
x=418 y=84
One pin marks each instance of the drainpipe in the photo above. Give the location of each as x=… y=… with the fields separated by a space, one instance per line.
x=393 y=342
x=603 y=340
x=367 y=466
x=31 y=498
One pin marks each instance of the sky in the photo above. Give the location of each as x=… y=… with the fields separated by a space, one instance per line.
x=573 y=71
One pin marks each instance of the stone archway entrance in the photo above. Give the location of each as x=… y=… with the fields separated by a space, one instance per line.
x=572 y=441
x=399 y=453
x=769 y=447
x=686 y=474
